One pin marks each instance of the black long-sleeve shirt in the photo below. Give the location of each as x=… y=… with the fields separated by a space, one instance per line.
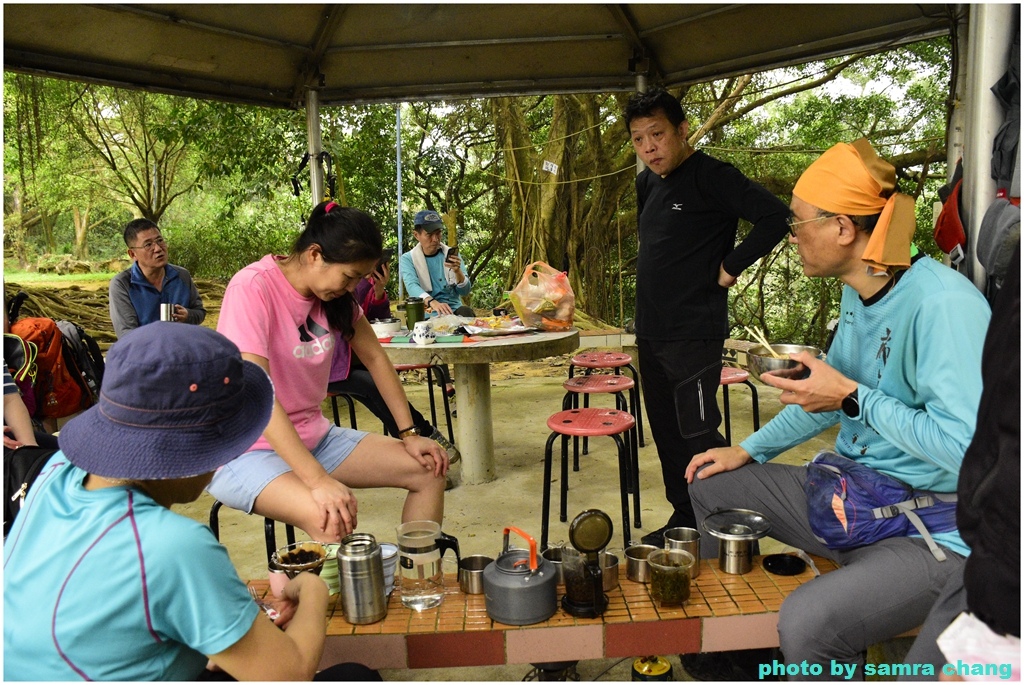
x=687 y=225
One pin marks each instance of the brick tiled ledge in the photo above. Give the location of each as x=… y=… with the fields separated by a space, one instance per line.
x=724 y=612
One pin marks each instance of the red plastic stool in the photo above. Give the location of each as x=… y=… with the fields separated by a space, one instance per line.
x=615 y=361
x=731 y=376
x=431 y=370
x=605 y=384
x=269 y=532
x=587 y=423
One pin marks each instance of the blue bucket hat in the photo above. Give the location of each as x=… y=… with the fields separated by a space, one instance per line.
x=176 y=401
x=428 y=220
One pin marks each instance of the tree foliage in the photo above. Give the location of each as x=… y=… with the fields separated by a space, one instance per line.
x=518 y=179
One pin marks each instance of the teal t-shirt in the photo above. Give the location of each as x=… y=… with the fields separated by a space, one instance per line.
x=916 y=355
x=109 y=585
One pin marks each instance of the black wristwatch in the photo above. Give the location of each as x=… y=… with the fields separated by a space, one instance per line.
x=851 y=404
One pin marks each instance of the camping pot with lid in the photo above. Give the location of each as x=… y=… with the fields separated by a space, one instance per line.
x=736 y=530
x=519 y=586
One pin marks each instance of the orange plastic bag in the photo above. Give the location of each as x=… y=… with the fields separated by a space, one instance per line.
x=543 y=298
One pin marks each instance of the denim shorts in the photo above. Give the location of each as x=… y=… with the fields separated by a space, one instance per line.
x=240 y=481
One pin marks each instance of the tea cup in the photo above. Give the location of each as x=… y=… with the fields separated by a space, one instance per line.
x=423 y=333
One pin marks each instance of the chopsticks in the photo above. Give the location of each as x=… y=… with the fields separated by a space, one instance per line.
x=758 y=335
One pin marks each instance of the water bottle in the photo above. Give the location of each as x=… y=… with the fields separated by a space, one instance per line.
x=361 y=573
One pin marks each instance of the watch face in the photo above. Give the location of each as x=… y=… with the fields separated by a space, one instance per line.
x=851 y=405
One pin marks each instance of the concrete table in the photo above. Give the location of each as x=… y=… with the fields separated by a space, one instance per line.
x=473 y=384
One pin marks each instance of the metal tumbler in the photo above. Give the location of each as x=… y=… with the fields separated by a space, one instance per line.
x=166 y=312
x=361 y=573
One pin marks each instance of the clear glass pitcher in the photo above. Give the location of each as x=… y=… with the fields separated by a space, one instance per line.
x=420 y=579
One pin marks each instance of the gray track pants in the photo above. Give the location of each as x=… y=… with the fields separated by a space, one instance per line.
x=880 y=590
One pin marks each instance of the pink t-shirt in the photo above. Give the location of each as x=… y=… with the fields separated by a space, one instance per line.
x=264 y=315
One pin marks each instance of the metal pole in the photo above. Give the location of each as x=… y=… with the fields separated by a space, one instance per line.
x=316 y=172
x=641 y=87
x=989 y=40
x=398 y=211
x=957 y=123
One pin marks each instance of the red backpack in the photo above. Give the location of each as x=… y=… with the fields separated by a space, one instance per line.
x=57 y=388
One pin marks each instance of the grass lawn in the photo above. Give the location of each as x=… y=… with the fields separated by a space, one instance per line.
x=91 y=281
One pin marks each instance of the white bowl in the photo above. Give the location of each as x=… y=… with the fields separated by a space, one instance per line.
x=384 y=328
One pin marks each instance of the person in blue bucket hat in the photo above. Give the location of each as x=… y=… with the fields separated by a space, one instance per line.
x=102 y=581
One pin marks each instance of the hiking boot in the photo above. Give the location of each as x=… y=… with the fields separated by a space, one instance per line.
x=454 y=457
x=656 y=537
x=451 y=402
x=735 y=666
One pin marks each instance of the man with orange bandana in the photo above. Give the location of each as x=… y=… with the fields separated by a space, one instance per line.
x=902 y=380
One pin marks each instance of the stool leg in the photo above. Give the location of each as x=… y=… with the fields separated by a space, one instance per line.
x=289 y=533
x=430 y=391
x=623 y=496
x=545 y=507
x=334 y=407
x=215 y=518
x=634 y=472
x=562 y=515
x=351 y=412
x=756 y=407
x=586 y=405
x=637 y=412
x=447 y=405
x=271 y=537
x=575 y=439
x=728 y=422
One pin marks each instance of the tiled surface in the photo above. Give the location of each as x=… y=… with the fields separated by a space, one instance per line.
x=724 y=612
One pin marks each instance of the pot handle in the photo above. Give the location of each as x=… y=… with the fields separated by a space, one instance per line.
x=446 y=542
x=533 y=546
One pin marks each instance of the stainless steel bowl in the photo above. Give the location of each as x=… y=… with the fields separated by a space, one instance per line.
x=609 y=571
x=760 y=360
x=636 y=562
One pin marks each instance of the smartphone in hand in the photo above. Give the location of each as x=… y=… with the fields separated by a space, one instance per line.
x=452 y=252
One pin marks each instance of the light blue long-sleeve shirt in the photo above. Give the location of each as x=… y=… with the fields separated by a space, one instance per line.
x=439 y=288
x=916 y=356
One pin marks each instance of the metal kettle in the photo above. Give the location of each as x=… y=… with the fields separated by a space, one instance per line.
x=519 y=586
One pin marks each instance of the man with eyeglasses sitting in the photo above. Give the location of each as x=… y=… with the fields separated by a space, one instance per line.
x=137 y=292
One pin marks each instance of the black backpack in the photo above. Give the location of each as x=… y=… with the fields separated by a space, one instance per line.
x=21 y=467
x=82 y=349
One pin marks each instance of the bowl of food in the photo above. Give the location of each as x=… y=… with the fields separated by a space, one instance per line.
x=775 y=360
x=297 y=557
x=385 y=328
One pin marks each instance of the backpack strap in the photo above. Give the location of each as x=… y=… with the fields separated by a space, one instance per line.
x=907 y=508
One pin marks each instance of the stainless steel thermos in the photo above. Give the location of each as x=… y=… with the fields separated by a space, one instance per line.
x=361 y=573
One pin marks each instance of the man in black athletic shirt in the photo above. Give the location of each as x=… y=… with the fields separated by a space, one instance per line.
x=688 y=208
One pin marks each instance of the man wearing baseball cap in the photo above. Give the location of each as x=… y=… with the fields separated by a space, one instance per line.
x=432 y=270
x=102 y=581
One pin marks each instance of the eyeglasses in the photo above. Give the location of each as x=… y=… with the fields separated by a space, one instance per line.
x=793 y=224
x=150 y=244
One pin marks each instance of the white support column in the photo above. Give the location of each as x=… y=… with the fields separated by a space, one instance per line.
x=989 y=39
x=476 y=432
x=316 y=172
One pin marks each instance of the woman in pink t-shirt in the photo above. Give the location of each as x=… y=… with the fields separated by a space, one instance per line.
x=283 y=313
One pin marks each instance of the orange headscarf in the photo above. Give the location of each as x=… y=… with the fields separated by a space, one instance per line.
x=850 y=178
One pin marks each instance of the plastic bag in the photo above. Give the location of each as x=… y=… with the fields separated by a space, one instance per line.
x=543 y=298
